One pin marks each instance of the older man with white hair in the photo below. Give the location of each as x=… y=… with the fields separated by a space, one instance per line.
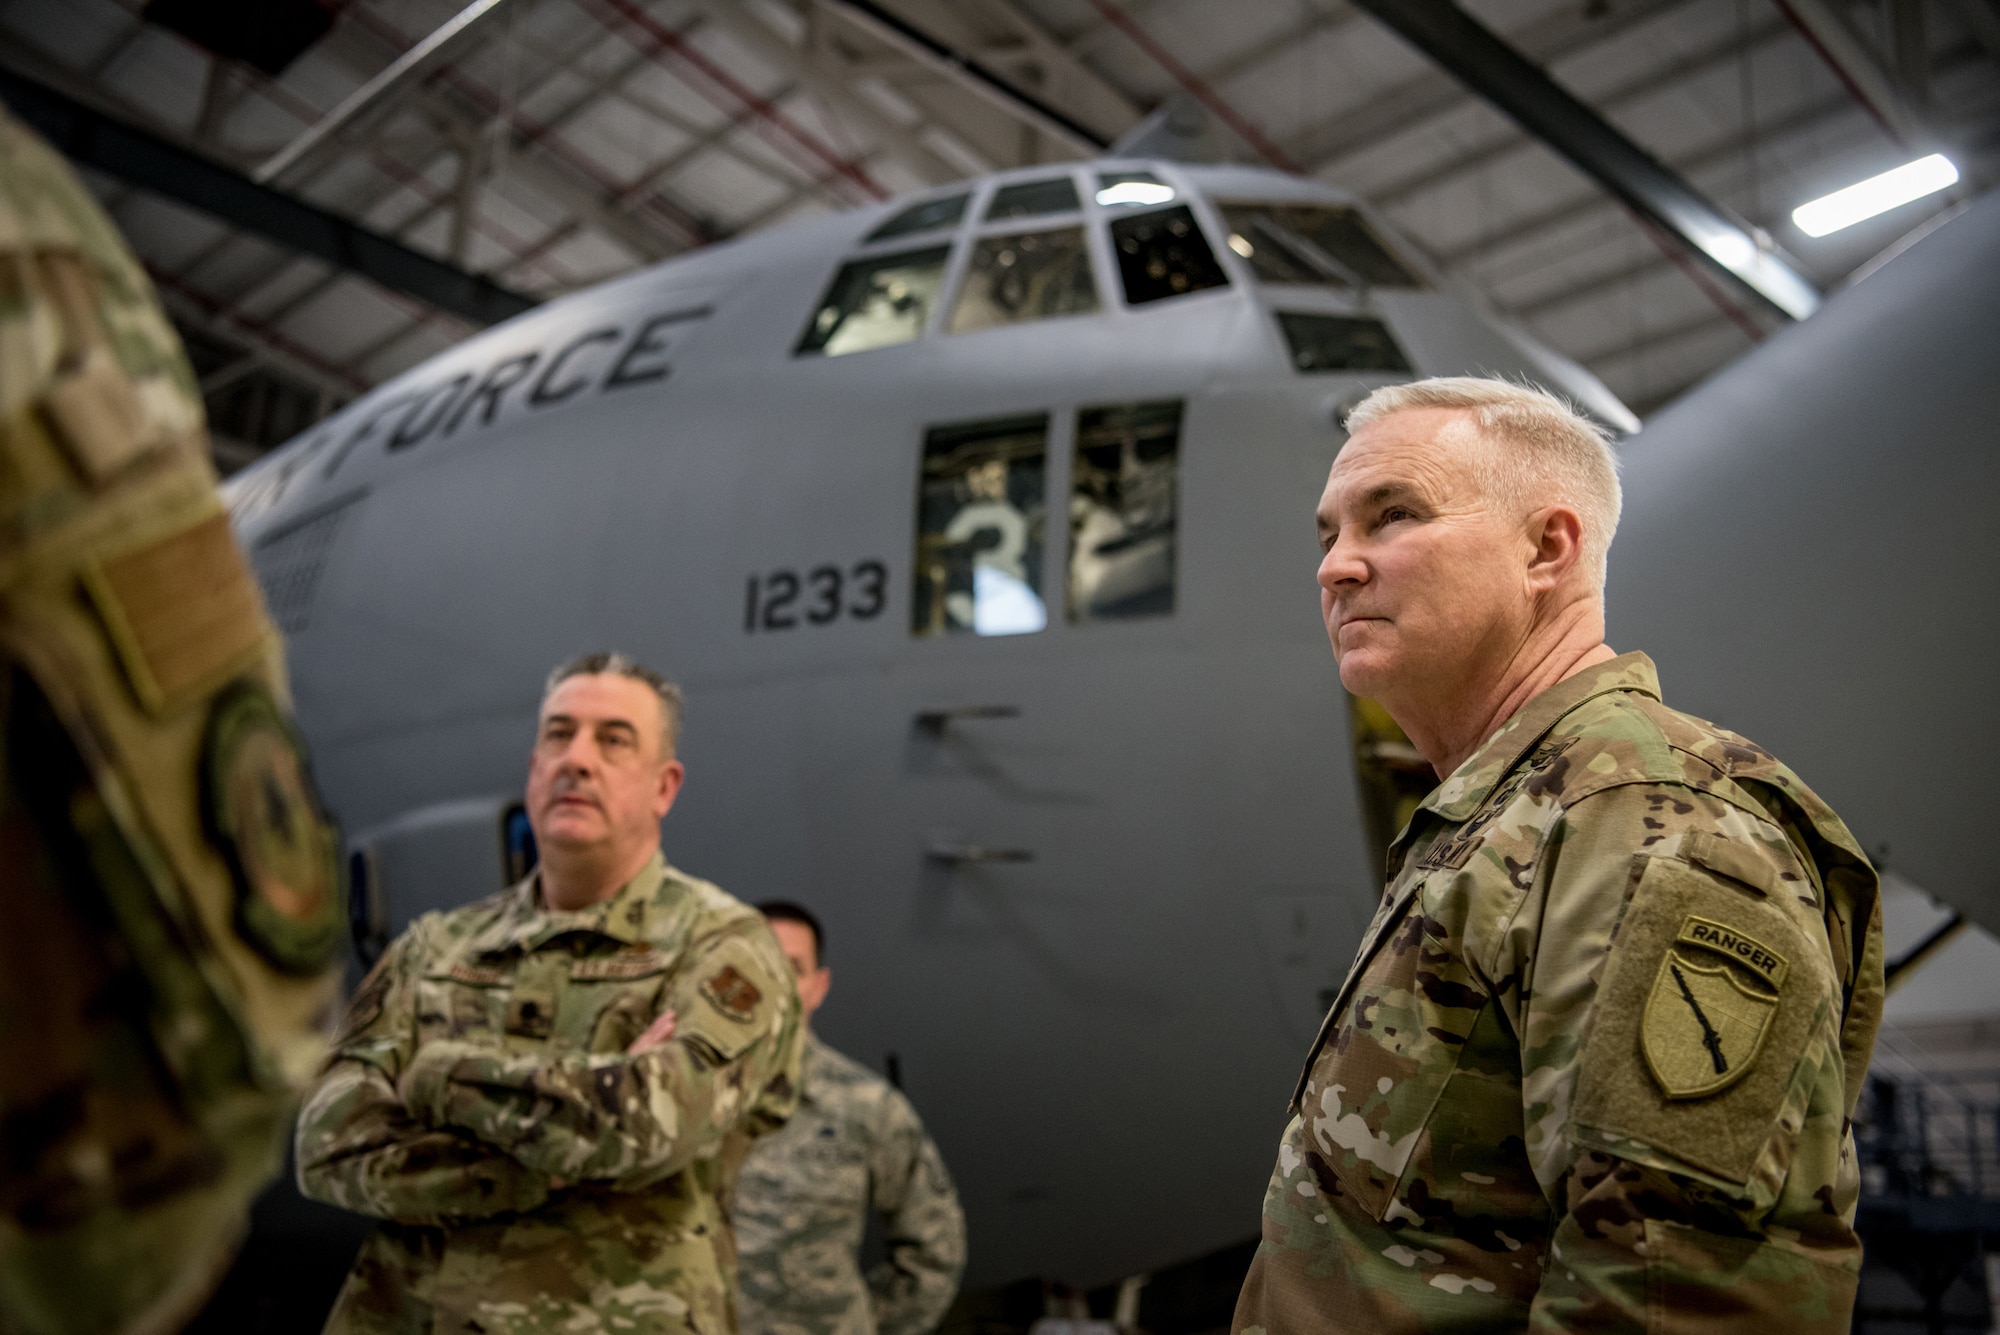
x=1594 y=1063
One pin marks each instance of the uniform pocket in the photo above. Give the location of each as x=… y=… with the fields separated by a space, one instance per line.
x=1700 y=1283
x=463 y=1001
x=1376 y=1082
x=624 y=991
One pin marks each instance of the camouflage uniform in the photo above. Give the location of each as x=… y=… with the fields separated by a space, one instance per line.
x=530 y=1176
x=802 y=1204
x=169 y=888
x=1594 y=1064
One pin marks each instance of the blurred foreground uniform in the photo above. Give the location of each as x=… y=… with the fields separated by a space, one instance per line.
x=802 y=1206
x=532 y=1177
x=1596 y=1058
x=168 y=886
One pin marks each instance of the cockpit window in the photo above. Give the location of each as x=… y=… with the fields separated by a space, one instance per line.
x=876 y=302
x=1313 y=243
x=1340 y=343
x=1163 y=254
x=925 y=217
x=1028 y=276
x=980 y=512
x=1025 y=200
x=1121 y=511
x=1125 y=189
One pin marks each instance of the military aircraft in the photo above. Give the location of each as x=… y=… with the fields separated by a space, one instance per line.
x=977 y=527
x=1810 y=550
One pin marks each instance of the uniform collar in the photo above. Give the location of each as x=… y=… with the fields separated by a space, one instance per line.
x=813 y=1065
x=1473 y=781
x=626 y=917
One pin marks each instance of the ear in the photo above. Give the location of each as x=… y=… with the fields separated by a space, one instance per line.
x=671 y=774
x=1556 y=535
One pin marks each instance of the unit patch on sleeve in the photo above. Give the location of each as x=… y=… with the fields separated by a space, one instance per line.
x=1710 y=1009
x=1708 y=1003
x=261 y=809
x=733 y=994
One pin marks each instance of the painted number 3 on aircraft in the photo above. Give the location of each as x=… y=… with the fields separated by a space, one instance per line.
x=783 y=599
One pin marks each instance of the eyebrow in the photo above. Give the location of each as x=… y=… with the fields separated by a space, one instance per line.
x=1376 y=496
x=573 y=722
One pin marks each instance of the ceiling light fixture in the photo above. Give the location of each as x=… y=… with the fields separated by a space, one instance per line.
x=1877 y=194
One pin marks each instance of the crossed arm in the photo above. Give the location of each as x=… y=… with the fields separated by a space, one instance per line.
x=925 y=1229
x=360 y=1148
x=454 y=1130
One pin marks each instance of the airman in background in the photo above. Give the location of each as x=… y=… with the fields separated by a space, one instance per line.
x=544 y=1096
x=855 y=1146
x=169 y=887
x=1594 y=1065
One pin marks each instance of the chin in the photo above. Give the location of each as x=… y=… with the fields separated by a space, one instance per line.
x=570 y=832
x=1364 y=673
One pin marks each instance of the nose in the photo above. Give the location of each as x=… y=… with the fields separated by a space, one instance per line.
x=579 y=756
x=1341 y=568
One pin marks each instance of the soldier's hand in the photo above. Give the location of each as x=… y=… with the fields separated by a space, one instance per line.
x=658 y=1032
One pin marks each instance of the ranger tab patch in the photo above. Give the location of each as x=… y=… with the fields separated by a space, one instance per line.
x=732 y=993
x=1710 y=1009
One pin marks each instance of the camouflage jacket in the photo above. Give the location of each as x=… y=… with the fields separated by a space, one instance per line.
x=802 y=1204
x=1594 y=1063
x=171 y=892
x=532 y=1177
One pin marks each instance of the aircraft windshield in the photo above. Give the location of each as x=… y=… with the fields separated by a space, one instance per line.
x=1122 y=511
x=925 y=217
x=980 y=512
x=1025 y=200
x=1340 y=343
x=1313 y=243
x=876 y=302
x=1028 y=276
x=1163 y=254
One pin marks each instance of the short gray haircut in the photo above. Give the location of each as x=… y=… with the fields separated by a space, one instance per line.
x=1545 y=451
x=610 y=663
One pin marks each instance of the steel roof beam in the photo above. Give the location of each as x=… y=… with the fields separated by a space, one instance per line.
x=449 y=110
x=1499 y=73
x=379 y=90
x=1396 y=110
x=1815 y=118
x=1111 y=105
x=198 y=310
x=1828 y=34
x=1002 y=94
x=95 y=140
x=1721 y=52
x=825 y=83
x=1569 y=212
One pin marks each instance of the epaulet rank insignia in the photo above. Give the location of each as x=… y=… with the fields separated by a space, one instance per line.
x=1452 y=851
x=1710 y=1009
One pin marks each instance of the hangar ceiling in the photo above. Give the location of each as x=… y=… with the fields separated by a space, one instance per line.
x=550 y=144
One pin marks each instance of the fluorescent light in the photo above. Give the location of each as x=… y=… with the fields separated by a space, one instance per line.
x=1135 y=192
x=1877 y=194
